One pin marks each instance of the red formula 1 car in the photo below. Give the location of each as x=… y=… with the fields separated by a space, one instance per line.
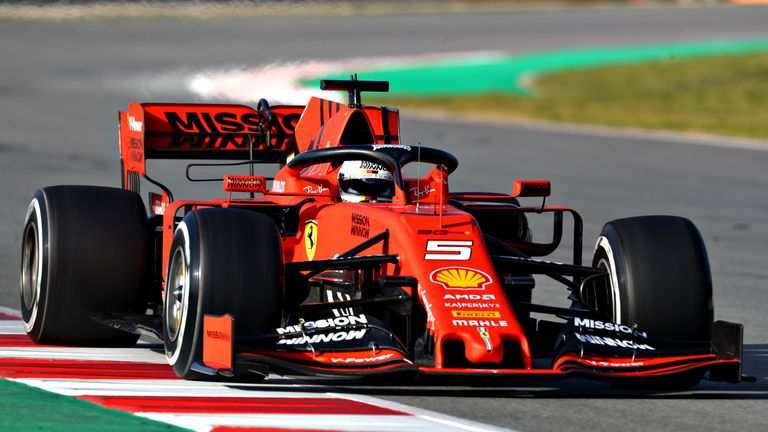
x=409 y=277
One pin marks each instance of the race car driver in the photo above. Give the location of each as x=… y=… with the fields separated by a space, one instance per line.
x=364 y=181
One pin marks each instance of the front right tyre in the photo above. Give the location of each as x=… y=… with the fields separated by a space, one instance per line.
x=222 y=261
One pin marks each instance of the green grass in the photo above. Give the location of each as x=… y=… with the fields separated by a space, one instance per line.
x=25 y=408
x=725 y=95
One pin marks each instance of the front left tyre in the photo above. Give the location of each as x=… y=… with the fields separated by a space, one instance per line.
x=83 y=254
x=658 y=279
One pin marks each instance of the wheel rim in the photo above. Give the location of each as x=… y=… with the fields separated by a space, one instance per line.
x=30 y=261
x=602 y=294
x=176 y=298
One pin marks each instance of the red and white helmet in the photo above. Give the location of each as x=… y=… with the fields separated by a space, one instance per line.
x=364 y=181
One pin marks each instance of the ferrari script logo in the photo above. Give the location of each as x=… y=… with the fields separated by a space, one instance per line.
x=460 y=278
x=310 y=238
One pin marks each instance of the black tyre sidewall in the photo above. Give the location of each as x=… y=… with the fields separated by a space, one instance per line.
x=94 y=246
x=235 y=266
x=662 y=276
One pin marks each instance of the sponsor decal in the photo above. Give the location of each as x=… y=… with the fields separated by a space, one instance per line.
x=217 y=341
x=243 y=182
x=368 y=165
x=310 y=238
x=340 y=297
x=158 y=205
x=475 y=314
x=214 y=334
x=324 y=338
x=602 y=363
x=425 y=191
x=324 y=323
x=481 y=323
x=486 y=338
x=601 y=340
x=315 y=189
x=278 y=186
x=228 y=131
x=361 y=225
x=135 y=144
x=135 y=125
x=205 y=141
x=451 y=296
x=600 y=325
x=216 y=123
x=439 y=232
x=460 y=278
x=477 y=305
x=444 y=250
x=377 y=147
x=136 y=155
x=158 y=208
x=358 y=360
x=136 y=149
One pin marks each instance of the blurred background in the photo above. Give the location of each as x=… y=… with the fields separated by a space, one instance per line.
x=628 y=107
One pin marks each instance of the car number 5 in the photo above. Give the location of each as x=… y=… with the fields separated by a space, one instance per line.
x=443 y=250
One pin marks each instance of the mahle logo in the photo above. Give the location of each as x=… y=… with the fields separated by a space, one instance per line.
x=460 y=278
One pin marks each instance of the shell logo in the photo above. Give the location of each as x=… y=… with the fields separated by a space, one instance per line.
x=460 y=278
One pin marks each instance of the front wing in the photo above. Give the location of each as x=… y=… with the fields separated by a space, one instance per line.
x=369 y=348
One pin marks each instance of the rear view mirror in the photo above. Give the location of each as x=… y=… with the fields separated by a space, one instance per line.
x=531 y=188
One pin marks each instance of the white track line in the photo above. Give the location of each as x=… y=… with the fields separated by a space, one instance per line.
x=136 y=355
x=431 y=416
x=412 y=419
x=168 y=388
x=9 y=311
x=373 y=423
x=11 y=327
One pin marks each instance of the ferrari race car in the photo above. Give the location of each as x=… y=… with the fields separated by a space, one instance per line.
x=282 y=275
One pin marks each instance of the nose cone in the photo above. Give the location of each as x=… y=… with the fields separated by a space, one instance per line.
x=483 y=346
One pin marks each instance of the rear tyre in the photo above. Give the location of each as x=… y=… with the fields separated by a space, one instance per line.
x=83 y=254
x=221 y=261
x=659 y=279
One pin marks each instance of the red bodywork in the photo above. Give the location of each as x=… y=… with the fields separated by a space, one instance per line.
x=439 y=244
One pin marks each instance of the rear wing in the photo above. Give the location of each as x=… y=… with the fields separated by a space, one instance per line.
x=238 y=132
x=204 y=131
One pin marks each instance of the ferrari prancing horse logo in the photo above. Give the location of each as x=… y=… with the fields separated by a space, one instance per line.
x=310 y=238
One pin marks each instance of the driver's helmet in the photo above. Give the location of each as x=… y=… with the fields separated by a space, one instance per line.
x=364 y=181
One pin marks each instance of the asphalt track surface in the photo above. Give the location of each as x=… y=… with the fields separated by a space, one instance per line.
x=61 y=85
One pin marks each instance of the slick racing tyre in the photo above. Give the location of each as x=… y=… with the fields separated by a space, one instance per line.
x=659 y=279
x=659 y=276
x=221 y=261
x=83 y=254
